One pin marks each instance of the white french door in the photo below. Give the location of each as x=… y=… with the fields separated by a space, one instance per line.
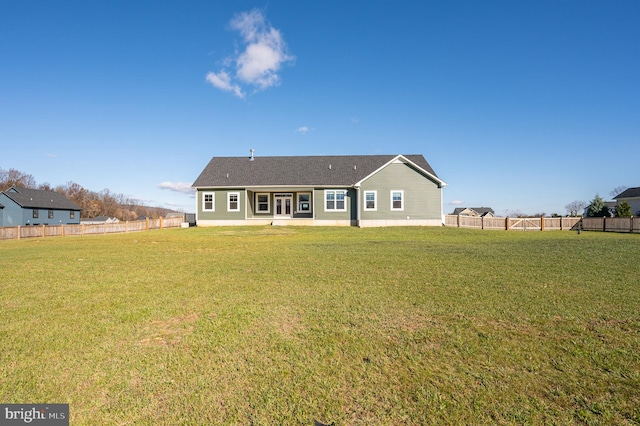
x=284 y=204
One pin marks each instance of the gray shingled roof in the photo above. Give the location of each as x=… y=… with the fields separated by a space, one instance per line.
x=480 y=210
x=40 y=199
x=342 y=170
x=629 y=193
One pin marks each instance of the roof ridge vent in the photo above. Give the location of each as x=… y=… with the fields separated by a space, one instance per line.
x=252 y=151
x=329 y=166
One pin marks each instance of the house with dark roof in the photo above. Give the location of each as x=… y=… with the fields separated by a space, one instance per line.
x=631 y=196
x=99 y=220
x=474 y=211
x=349 y=190
x=24 y=207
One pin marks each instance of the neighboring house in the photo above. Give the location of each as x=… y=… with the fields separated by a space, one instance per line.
x=100 y=220
x=474 y=212
x=23 y=207
x=631 y=196
x=357 y=190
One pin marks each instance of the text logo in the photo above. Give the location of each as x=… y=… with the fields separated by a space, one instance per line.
x=34 y=414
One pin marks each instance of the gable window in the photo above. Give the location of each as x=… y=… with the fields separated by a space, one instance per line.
x=35 y=213
x=208 y=204
x=262 y=203
x=335 y=200
x=370 y=200
x=233 y=201
x=397 y=200
x=304 y=202
x=50 y=214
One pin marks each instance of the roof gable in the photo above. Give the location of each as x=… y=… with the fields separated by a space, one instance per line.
x=40 y=199
x=346 y=170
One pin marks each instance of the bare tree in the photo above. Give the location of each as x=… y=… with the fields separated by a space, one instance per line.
x=13 y=177
x=575 y=208
x=617 y=191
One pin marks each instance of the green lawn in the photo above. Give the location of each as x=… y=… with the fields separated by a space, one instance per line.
x=269 y=325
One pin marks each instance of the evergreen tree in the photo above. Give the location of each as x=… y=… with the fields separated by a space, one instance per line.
x=596 y=207
x=623 y=209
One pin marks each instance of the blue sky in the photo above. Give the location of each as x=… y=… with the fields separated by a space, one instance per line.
x=523 y=106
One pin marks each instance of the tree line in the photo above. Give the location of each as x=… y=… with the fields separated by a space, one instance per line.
x=92 y=203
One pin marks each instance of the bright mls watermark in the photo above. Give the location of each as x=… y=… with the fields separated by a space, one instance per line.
x=34 y=414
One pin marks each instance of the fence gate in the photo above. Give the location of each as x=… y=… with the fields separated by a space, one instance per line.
x=526 y=224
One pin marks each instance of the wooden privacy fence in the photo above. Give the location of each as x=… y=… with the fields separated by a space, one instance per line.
x=611 y=224
x=18 y=232
x=513 y=223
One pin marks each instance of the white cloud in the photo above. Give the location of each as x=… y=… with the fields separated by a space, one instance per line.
x=265 y=51
x=222 y=81
x=303 y=130
x=455 y=202
x=183 y=187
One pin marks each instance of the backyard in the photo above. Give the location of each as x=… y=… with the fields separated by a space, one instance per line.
x=286 y=325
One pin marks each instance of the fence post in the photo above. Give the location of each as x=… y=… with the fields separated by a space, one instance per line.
x=147 y=223
x=19 y=232
x=458 y=221
x=42 y=231
x=542 y=223
x=604 y=224
x=507 y=223
x=160 y=222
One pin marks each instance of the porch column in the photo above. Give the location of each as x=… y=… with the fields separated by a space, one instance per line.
x=358 y=206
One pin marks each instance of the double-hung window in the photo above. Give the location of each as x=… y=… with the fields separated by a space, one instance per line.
x=397 y=200
x=208 y=202
x=35 y=213
x=335 y=200
x=233 y=201
x=262 y=203
x=370 y=200
x=50 y=215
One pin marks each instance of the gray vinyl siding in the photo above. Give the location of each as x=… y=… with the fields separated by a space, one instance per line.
x=422 y=197
x=220 y=204
x=319 y=206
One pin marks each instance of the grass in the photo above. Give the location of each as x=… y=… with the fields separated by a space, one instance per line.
x=268 y=325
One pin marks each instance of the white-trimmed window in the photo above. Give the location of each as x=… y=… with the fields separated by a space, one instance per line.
x=262 y=203
x=304 y=202
x=371 y=200
x=397 y=200
x=208 y=202
x=233 y=201
x=335 y=200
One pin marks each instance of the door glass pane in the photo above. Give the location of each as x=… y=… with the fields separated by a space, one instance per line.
x=278 y=206
x=287 y=206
